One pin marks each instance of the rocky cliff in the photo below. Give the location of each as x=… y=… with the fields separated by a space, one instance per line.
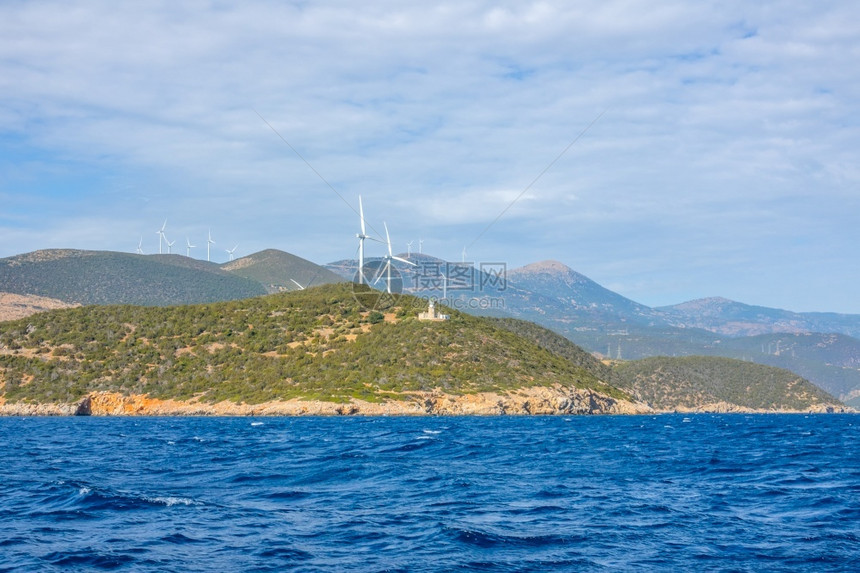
x=528 y=401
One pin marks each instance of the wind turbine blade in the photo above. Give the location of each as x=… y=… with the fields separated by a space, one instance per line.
x=404 y=261
x=379 y=272
x=295 y=282
x=387 y=238
x=361 y=214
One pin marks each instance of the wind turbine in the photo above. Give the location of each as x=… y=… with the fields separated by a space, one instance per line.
x=409 y=249
x=420 y=245
x=361 y=237
x=169 y=243
x=160 y=234
x=188 y=247
x=297 y=284
x=386 y=269
x=209 y=243
x=464 y=254
x=231 y=251
x=140 y=246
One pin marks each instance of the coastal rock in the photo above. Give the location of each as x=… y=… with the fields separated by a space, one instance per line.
x=538 y=401
x=728 y=408
x=24 y=409
x=531 y=401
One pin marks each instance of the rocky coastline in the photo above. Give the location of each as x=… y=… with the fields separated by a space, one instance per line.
x=539 y=401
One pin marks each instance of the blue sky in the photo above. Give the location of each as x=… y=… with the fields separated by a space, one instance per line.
x=725 y=162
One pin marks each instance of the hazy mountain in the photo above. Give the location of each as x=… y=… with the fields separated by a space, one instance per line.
x=738 y=319
x=344 y=268
x=276 y=270
x=578 y=294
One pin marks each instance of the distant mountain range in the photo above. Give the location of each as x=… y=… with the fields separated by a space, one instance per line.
x=106 y=277
x=818 y=346
x=732 y=318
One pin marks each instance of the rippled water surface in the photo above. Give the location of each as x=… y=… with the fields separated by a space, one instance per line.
x=705 y=492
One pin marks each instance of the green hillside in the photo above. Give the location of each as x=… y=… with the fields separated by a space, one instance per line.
x=276 y=271
x=830 y=361
x=686 y=382
x=555 y=343
x=104 y=277
x=314 y=344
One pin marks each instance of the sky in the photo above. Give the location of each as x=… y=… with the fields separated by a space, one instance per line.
x=669 y=150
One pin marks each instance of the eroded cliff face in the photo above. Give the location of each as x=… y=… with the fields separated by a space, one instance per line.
x=22 y=409
x=531 y=401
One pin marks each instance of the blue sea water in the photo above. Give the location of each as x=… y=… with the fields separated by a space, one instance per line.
x=662 y=493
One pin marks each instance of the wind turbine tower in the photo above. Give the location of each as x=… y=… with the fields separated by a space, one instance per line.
x=409 y=249
x=209 y=243
x=160 y=234
x=388 y=262
x=361 y=237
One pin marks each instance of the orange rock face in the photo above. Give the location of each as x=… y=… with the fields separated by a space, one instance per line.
x=531 y=401
x=539 y=401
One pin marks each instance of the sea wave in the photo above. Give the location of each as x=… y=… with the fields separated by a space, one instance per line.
x=724 y=492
